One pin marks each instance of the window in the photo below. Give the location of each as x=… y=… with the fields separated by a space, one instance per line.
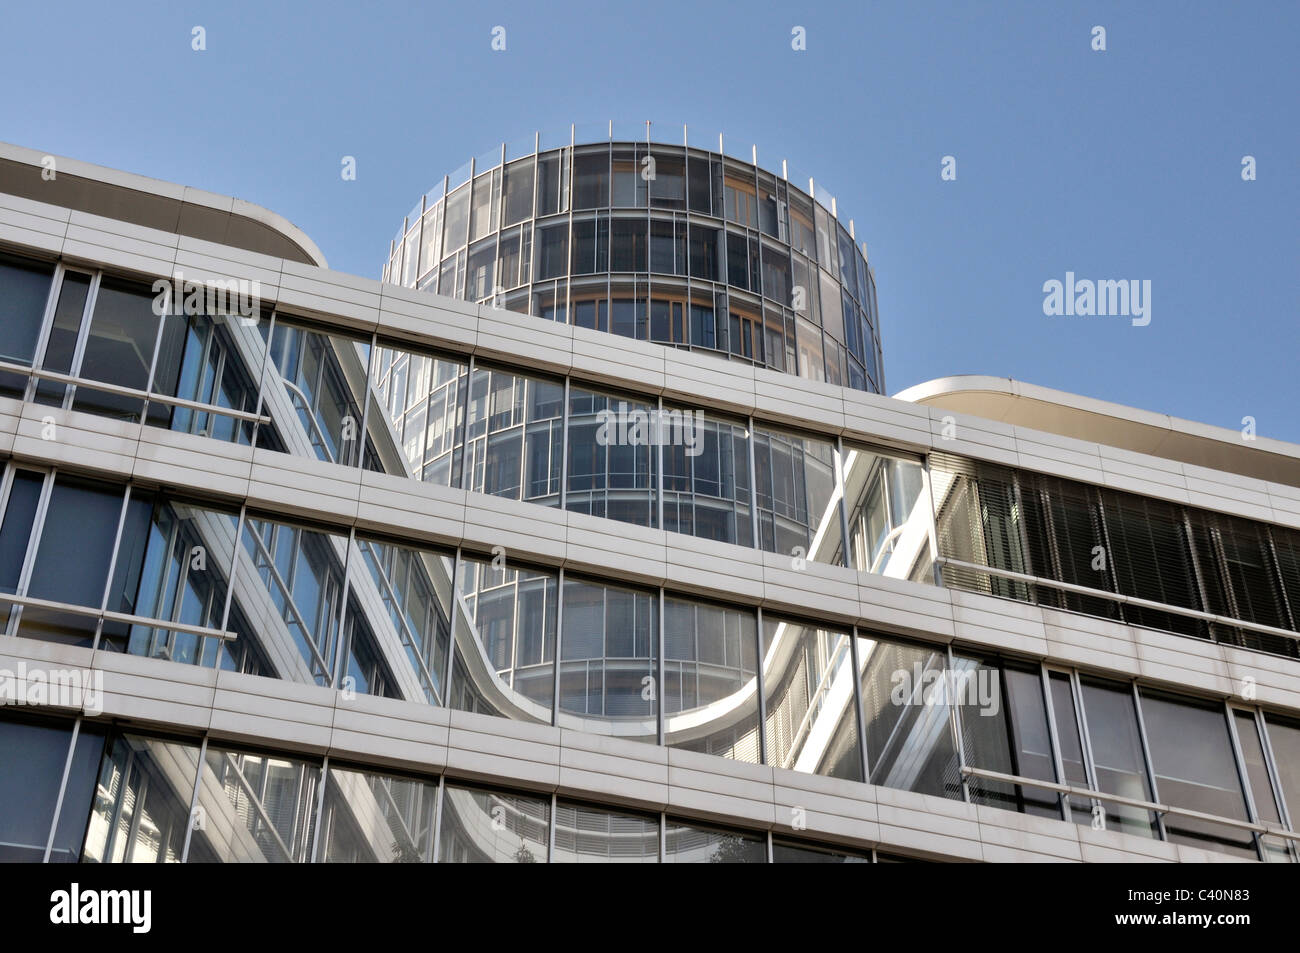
x=612 y=465
x=694 y=844
x=29 y=795
x=15 y=534
x=371 y=818
x=668 y=187
x=710 y=679
x=1194 y=765
x=141 y=809
x=591 y=179
x=492 y=827
x=72 y=559
x=609 y=661
x=787 y=852
x=260 y=808
x=483 y=218
x=61 y=347
x=629 y=248
x=907 y=714
x=552 y=249
x=889 y=516
x=667 y=247
x=776 y=274
x=513 y=436
x=478 y=271
x=517 y=192
x=704 y=252
x=414 y=589
x=795 y=479
x=24 y=288
x=808 y=692
x=1004 y=729
x=456 y=222
x=512 y=615
x=1117 y=754
x=706 y=476
x=120 y=348
x=315 y=369
x=587 y=834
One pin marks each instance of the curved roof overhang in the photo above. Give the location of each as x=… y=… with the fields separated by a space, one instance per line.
x=1085 y=418
x=153 y=203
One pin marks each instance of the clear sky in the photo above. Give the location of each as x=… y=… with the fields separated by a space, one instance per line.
x=1123 y=164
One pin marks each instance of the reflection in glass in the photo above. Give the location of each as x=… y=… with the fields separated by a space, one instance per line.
x=377 y=818
x=907 y=713
x=788 y=852
x=597 y=835
x=808 y=690
x=888 y=514
x=710 y=679
x=492 y=827
x=798 y=512
x=508 y=664
x=692 y=844
x=608 y=661
x=1117 y=754
x=706 y=476
x=142 y=802
x=256 y=808
x=612 y=462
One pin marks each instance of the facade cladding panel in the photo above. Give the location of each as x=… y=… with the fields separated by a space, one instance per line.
x=593 y=657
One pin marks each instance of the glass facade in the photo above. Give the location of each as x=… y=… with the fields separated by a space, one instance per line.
x=681 y=245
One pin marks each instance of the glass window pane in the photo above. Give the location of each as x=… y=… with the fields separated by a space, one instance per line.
x=1117 y=754
x=510 y=659
x=710 y=679
x=256 y=808
x=1191 y=754
x=612 y=462
x=889 y=515
x=142 y=802
x=609 y=661
x=1004 y=729
x=377 y=818
x=692 y=844
x=795 y=480
x=320 y=376
x=491 y=827
x=72 y=562
x=15 y=534
x=410 y=598
x=808 y=689
x=518 y=192
x=706 y=476
x=62 y=344
x=791 y=852
x=28 y=795
x=597 y=835
x=119 y=349
x=24 y=289
x=907 y=715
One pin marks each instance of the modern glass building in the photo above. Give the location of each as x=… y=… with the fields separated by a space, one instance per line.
x=302 y=566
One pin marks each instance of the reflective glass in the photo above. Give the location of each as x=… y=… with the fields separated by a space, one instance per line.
x=1117 y=754
x=889 y=514
x=597 y=835
x=907 y=713
x=492 y=827
x=377 y=818
x=808 y=689
x=609 y=661
x=706 y=476
x=256 y=808
x=119 y=349
x=612 y=458
x=693 y=844
x=1194 y=765
x=510 y=660
x=24 y=288
x=142 y=802
x=710 y=679
x=797 y=511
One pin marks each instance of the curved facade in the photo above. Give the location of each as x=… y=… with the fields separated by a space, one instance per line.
x=653 y=238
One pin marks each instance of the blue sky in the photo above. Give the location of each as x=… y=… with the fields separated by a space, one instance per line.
x=1123 y=164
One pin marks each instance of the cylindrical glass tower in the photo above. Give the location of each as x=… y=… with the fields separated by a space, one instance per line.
x=676 y=243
